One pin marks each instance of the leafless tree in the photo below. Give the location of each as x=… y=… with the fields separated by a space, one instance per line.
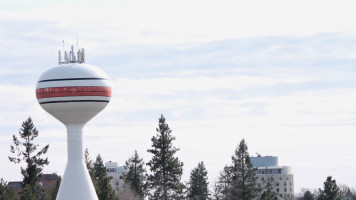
x=127 y=193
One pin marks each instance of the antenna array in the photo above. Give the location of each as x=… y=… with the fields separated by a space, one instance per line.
x=70 y=57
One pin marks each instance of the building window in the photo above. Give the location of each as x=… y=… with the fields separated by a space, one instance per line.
x=276 y=184
x=262 y=178
x=121 y=177
x=285 y=189
x=281 y=195
x=277 y=189
x=117 y=183
x=111 y=177
x=110 y=170
x=274 y=171
x=280 y=178
x=259 y=185
x=285 y=183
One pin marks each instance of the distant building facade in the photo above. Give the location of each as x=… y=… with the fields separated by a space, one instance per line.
x=46 y=181
x=116 y=174
x=267 y=166
x=16 y=186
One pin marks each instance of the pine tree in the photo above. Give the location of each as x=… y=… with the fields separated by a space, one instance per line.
x=239 y=179
x=89 y=164
x=136 y=174
x=40 y=193
x=99 y=168
x=27 y=193
x=106 y=192
x=308 y=195
x=26 y=151
x=167 y=170
x=198 y=183
x=331 y=191
x=102 y=181
x=5 y=192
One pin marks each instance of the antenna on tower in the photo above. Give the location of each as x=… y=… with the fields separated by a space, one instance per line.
x=77 y=42
x=70 y=56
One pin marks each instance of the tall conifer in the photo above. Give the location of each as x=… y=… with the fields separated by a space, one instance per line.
x=198 y=183
x=239 y=179
x=102 y=181
x=165 y=181
x=136 y=174
x=25 y=150
x=89 y=164
x=331 y=191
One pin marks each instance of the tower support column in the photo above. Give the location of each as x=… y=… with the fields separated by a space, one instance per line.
x=76 y=183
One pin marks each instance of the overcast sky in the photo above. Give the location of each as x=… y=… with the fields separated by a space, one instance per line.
x=280 y=74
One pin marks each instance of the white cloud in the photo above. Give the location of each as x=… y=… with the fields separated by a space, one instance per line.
x=156 y=86
x=185 y=21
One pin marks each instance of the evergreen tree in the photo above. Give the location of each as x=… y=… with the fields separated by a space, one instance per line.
x=167 y=170
x=269 y=193
x=99 y=168
x=27 y=193
x=89 y=164
x=198 y=183
x=26 y=150
x=40 y=193
x=239 y=180
x=331 y=191
x=308 y=195
x=106 y=192
x=136 y=174
x=102 y=181
x=5 y=192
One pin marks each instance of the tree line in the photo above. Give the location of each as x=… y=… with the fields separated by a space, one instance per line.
x=25 y=150
x=162 y=180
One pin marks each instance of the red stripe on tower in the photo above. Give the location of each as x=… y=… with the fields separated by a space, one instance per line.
x=73 y=91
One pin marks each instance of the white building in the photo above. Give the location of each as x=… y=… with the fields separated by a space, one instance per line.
x=116 y=174
x=267 y=166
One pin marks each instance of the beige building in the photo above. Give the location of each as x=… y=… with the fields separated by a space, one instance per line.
x=116 y=174
x=267 y=166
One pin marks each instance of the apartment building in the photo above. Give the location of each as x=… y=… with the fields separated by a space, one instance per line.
x=267 y=167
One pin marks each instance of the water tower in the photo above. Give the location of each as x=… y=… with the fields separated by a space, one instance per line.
x=74 y=92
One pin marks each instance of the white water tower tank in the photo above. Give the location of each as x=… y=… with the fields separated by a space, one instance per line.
x=74 y=92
